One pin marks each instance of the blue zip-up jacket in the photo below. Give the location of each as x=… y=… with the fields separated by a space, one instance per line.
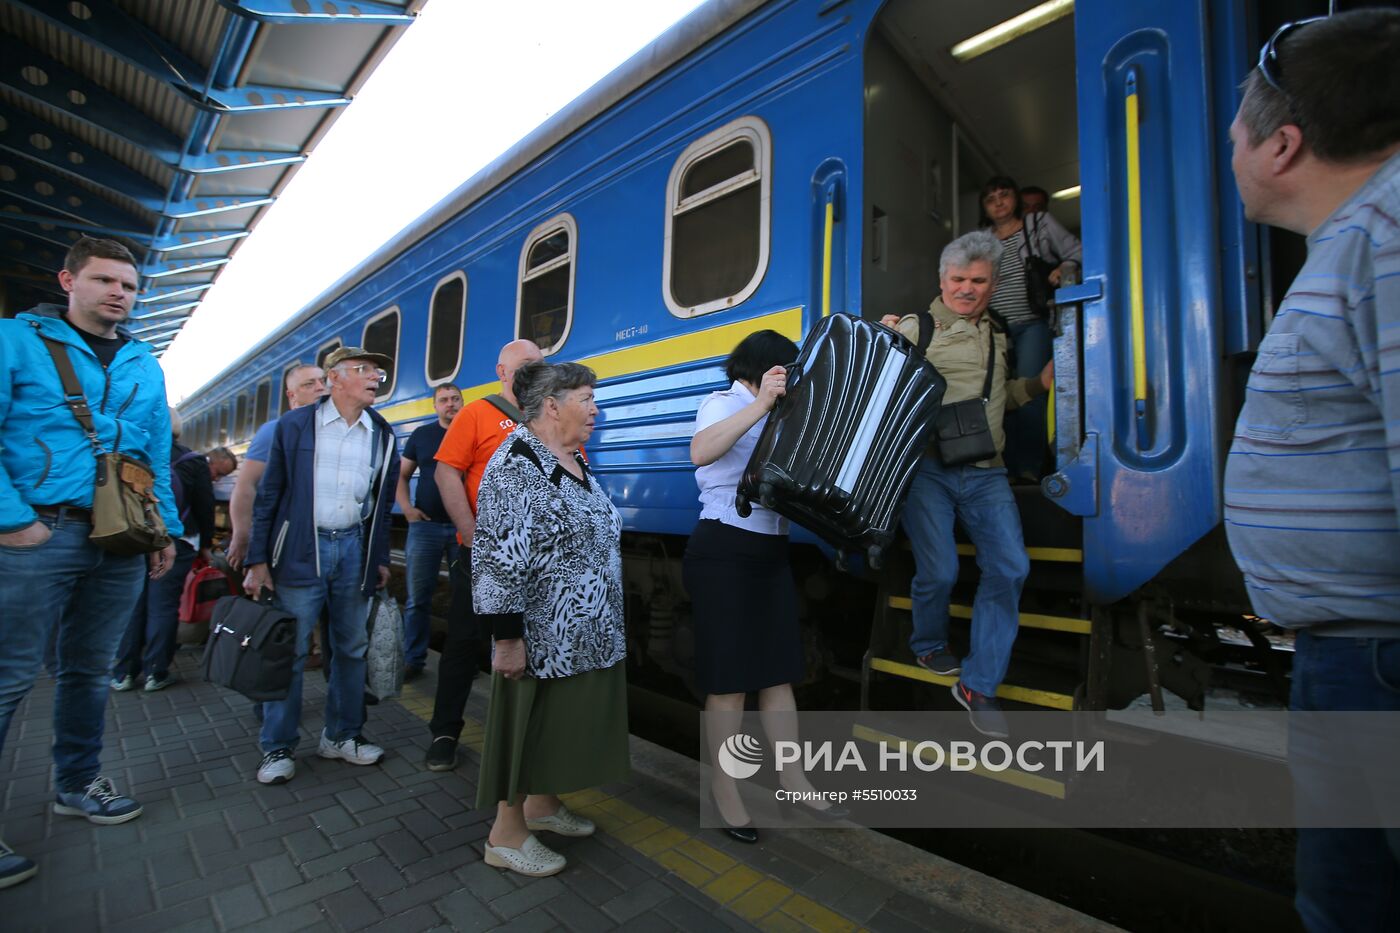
x=284 y=514
x=44 y=457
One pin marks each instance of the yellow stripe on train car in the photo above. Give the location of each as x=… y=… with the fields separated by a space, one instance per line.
x=672 y=351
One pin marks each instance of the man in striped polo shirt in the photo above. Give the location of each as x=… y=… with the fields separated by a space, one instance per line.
x=1313 y=478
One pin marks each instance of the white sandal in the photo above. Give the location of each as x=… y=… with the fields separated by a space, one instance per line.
x=533 y=858
x=563 y=821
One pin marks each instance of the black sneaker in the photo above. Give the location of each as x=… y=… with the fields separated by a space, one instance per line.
x=984 y=711
x=942 y=662
x=442 y=754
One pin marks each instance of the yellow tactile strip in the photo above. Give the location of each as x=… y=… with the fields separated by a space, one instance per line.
x=759 y=898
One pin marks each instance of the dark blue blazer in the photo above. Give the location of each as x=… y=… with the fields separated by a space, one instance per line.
x=284 y=514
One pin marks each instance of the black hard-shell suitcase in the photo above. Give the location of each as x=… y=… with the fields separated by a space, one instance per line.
x=251 y=649
x=839 y=450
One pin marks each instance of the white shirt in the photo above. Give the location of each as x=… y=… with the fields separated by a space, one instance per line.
x=719 y=481
x=344 y=458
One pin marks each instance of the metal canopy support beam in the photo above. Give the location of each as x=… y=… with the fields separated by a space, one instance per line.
x=48 y=145
x=320 y=11
x=155 y=296
x=160 y=270
x=182 y=241
x=182 y=209
x=182 y=310
x=61 y=88
x=162 y=327
x=45 y=220
x=39 y=186
x=108 y=28
x=234 y=160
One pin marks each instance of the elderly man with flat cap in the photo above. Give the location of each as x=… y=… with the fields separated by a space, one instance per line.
x=321 y=539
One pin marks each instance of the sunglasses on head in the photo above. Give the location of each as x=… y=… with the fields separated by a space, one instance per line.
x=1269 y=67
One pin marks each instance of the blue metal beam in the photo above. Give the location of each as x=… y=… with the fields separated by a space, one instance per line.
x=169 y=327
x=45 y=220
x=38 y=186
x=43 y=255
x=123 y=37
x=235 y=160
x=161 y=270
x=203 y=206
x=65 y=90
x=154 y=296
x=48 y=145
x=181 y=310
x=304 y=11
x=182 y=241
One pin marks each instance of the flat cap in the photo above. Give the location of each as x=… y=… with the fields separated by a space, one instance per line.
x=357 y=353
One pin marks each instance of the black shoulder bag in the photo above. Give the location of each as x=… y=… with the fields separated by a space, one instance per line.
x=961 y=430
x=1040 y=294
x=506 y=408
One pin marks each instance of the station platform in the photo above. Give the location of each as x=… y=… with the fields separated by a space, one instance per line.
x=398 y=848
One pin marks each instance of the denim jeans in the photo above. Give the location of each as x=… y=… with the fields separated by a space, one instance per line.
x=980 y=498
x=149 y=642
x=1026 y=438
x=69 y=584
x=1348 y=879
x=342 y=565
x=428 y=543
x=461 y=653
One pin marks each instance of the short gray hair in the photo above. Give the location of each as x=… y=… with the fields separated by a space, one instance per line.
x=537 y=381
x=979 y=245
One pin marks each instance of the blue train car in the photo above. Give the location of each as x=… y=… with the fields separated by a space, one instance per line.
x=763 y=164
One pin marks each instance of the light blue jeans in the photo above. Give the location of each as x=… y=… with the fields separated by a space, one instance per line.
x=87 y=595
x=428 y=543
x=339 y=588
x=980 y=498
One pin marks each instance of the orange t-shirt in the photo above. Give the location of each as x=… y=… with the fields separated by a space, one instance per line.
x=470 y=441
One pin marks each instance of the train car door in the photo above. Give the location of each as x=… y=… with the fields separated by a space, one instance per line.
x=1140 y=430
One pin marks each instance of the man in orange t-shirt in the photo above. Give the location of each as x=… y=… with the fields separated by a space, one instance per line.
x=462 y=456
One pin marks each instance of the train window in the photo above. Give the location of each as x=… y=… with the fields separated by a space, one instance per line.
x=240 y=418
x=447 y=320
x=717 y=219
x=545 y=305
x=223 y=426
x=325 y=351
x=264 y=399
x=382 y=336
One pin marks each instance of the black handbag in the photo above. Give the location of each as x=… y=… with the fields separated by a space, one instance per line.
x=1040 y=293
x=961 y=430
x=252 y=647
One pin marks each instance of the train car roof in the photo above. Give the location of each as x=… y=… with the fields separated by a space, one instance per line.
x=170 y=125
x=692 y=32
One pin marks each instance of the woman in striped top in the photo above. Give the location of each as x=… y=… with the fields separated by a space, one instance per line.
x=1027 y=329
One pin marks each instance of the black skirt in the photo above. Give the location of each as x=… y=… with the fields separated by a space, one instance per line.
x=744 y=609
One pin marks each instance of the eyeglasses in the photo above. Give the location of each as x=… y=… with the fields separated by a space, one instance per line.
x=1269 y=68
x=364 y=369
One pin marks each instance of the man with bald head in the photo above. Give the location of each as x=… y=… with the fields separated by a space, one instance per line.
x=472 y=438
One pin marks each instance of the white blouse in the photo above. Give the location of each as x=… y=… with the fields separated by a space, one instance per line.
x=719 y=481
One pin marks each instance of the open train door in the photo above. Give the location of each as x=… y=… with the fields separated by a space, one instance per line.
x=1140 y=432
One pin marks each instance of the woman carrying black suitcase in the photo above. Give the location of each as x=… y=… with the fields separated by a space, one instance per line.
x=743 y=598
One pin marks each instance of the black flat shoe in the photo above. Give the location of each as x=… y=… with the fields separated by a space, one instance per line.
x=745 y=833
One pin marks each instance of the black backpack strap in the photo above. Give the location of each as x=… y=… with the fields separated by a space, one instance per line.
x=507 y=409
x=926 y=329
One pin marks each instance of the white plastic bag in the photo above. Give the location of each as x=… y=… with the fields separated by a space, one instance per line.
x=384 y=657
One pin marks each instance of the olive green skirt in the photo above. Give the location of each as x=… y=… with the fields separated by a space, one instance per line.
x=554 y=736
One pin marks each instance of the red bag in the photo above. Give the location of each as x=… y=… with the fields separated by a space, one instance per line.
x=204 y=585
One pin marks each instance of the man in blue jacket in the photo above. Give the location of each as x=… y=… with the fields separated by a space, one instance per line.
x=321 y=533
x=50 y=573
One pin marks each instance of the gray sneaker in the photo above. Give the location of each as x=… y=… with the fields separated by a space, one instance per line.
x=983 y=711
x=154 y=683
x=354 y=750
x=942 y=662
x=99 y=803
x=123 y=683
x=14 y=867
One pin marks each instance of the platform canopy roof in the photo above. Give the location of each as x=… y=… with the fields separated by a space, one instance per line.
x=171 y=125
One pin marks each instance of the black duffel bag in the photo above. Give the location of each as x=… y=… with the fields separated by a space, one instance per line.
x=251 y=649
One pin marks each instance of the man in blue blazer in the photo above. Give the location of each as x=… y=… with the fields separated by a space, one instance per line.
x=321 y=535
